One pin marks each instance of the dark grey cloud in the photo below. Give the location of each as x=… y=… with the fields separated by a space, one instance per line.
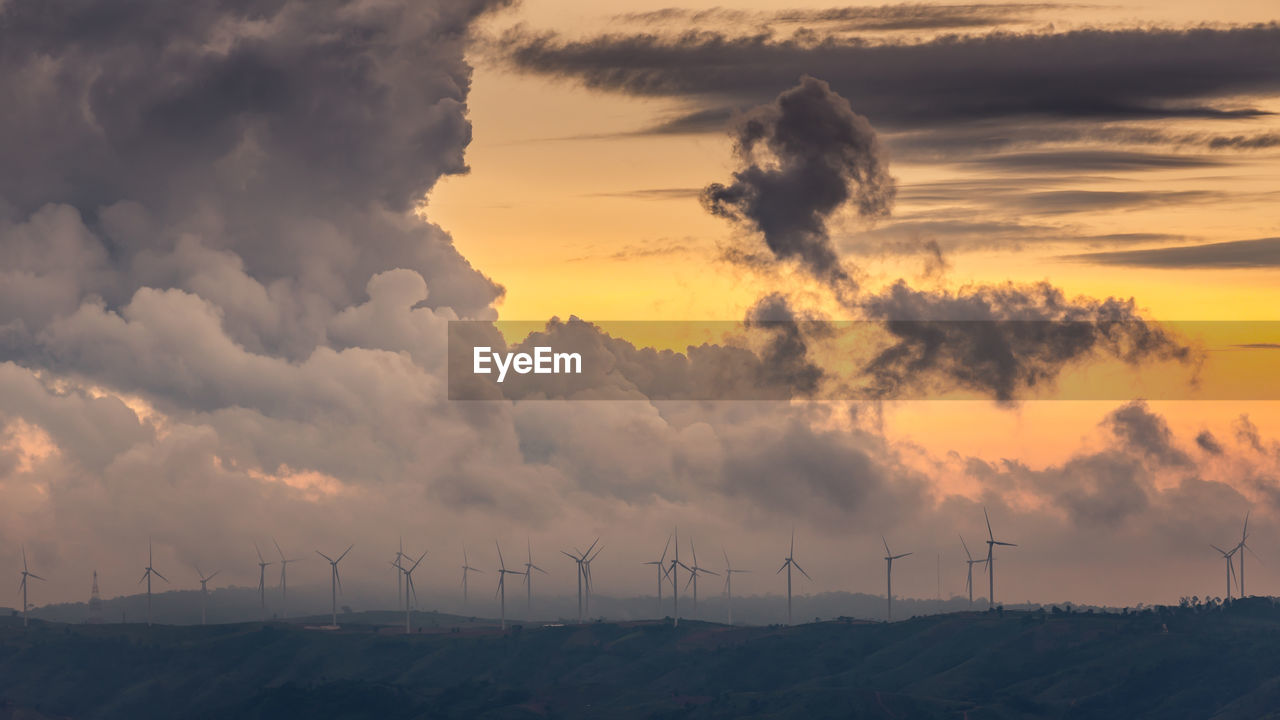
x=1260 y=253
x=1004 y=340
x=1092 y=161
x=801 y=158
x=1145 y=432
x=901 y=16
x=1131 y=73
x=1209 y=443
x=265 y=155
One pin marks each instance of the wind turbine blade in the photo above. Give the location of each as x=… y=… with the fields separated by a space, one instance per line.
x=887 y=551
x=784 y=566
x=415 y=564
x=144 y=576
x=802 y=572
x=1215 y=547
x=326 y=557
x=665 y=548
x=792 y=551
x=597 y=554
x=273 y=542
x=571 y=557
x=344 y=552
x=33 y=575
x=966 y=547
x=501 y=564
x=337 y=576
x=990 y=535
x=1006 y=544
x=593 y=544
x=535 y=567
x=255 y=549
x=899 y=557
x=215 y=574
x=690 y=580
x=157 y=572
x=709 y=572
x=24 y=558
x=726 y=559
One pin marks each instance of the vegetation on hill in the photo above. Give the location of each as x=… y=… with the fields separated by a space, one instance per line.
x=1194 y=661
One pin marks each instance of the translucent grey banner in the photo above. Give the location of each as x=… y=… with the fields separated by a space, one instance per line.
x=1000 y=360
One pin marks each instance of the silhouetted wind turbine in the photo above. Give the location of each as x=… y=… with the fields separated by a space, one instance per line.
x=968 y=583
x=466 y=568
x=580 y=558
x=503 y=572
x=729 y=570
x=787 y=565
x=529 y=567
x=589 y=584
x=335 y=581
x=674 y=574
x=1231 y=570
x=284 y=579
x=262 y=581
x=395 y=563
x=889 y=557
x=1242 y=546
x=662 y=571
x=204 y=593
x=147 y=576
x=26 y=574
x=991 y=558
x=693 y=576
x=408 y=586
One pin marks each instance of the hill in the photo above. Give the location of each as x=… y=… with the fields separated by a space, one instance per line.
x=1187 y=662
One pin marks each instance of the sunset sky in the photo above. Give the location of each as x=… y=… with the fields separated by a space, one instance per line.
x=232 y=235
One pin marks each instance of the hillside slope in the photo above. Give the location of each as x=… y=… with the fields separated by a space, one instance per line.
x=1210 y=663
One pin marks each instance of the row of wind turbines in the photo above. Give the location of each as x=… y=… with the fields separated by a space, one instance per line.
x=668 y=572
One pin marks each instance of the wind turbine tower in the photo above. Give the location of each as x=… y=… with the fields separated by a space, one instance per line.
x=284 y=579
x=991 y=558
x=409 y=588
x=146 y=575
x=1242 y=547
x=673 y=573
x=335 y=581
x=1231 y=569
x=503 y=572
x=889 y=557
x=693 y=577
x=580 y=558
x=466 y=568
x=262 y=581
x=729 y=570
x=204 y=593
x=662 y=571
x=26 y=574
x=529 y=567
x=968 y=583
x=787 y=564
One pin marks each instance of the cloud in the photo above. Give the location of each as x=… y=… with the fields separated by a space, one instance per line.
x=1130 y=73
x=903 y=16
x=801 y=158
x=1260 y=253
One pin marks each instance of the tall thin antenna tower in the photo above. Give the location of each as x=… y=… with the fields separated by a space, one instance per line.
x=95 y=602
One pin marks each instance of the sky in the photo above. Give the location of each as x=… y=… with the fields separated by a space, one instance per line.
x=233 y=235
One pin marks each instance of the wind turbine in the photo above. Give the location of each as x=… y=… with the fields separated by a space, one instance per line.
x=662 y=571
x=787 y=565
x=693 y=576
x=284 y=580
x=466 y=568
x=1242 y=546
x=673 y=573
x=262 y=581
x=503 y=572
x=580 y=558
x=889 y=557
x=729 y=570
x=26 y=574
x=408 y=586
x=968 y=583
x=589 y=584
x=395 y=563
x=529 y=567
x=204 y=593
x=1231 y=569
x=992 y=542
x=335 y=582
x=147 y=576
